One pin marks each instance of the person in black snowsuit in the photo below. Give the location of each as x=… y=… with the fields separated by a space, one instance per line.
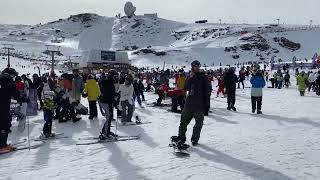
x=137 y=92
x=196 y=104
x=242 y=77
x=230 y=81
x=141 y=86
x=7 y=91
x=37 y=84
x=286 y=79
x=107 y=101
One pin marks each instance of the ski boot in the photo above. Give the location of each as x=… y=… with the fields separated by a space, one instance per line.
x=138 y=121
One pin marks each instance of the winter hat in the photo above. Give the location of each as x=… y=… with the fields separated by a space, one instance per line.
x=195 y=63
x=10 y=72
x=48 y=94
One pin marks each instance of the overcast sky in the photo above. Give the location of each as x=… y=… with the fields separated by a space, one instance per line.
x=230 y=11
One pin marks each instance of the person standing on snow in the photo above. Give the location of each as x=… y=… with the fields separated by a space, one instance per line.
x=7 y=91
x=107 y=101
x=196 y=103
x=230 y=82
x=258 y=84
x=312 y=79
x=78 y=85
x=302 y=78
x=126 y=100
x=92 y=89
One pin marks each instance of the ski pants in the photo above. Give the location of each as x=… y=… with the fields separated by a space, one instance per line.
x=93 y=111
x=108 y=109
x=256 y=102
x=180 y=100
x=47 y=127
x=241 y=81
x=231 y=100
x=186 y=118
x=126 y=116
x=161 y=97
x=138 y=98
x=39 y=94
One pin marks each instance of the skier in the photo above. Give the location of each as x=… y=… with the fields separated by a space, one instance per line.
x=141 y=86
x=302 y=78
x=196 y=104
x=7 y=91
x=93 y=90
x=230 y=81
x=258 y=83
x=107 y=99
x=38 y=85
x=126 y=100
x=48 y=112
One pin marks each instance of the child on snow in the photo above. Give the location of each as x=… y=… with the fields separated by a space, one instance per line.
x=48 y=111
x=220 y=86
x=258 y=84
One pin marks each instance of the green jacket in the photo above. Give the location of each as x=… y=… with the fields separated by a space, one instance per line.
x=301 y=79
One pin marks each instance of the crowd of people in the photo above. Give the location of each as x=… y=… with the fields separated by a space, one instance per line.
x=60 y=97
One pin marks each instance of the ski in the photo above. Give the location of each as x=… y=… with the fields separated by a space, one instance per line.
x=56 y=136
x=110 y=140
x=32 y=146
x=97 y=138
x=135 y=124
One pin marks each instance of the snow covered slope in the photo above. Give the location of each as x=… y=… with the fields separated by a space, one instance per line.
x=175 y=43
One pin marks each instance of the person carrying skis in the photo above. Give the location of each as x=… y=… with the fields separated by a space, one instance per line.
x=230 y=80
x=107 y=101
x=92 y=89
x=196 y=103
x=7 y=91
x=257 y=81
x=302 y=78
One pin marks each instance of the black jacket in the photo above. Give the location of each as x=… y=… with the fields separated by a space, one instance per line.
x=108 y=91
x=197 y=99
x=137 y=89
x=7 y=91
x=230 y=80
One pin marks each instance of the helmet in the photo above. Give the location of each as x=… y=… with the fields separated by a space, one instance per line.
x=195 y=63
x=10 y=72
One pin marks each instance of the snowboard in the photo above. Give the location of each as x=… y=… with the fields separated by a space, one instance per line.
x=96 y=140
x=179 y=150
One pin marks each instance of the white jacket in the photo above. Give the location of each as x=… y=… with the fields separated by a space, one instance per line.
x=126 y=93
x=312 y=78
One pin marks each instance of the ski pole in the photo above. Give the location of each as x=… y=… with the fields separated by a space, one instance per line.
x=28 y=131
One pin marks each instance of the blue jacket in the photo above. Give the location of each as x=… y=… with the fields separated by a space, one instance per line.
x=257 y=81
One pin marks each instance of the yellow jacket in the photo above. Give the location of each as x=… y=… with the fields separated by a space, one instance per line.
x=181 y=82
x=92 y=89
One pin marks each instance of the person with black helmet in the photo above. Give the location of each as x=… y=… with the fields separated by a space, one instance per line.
x=230 y=82
x=196 y=103
x=7 y=91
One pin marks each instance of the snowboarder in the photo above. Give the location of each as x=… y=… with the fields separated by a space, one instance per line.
x=258 y=83
x=230 y=81
x=196 y=103
x=93 y=90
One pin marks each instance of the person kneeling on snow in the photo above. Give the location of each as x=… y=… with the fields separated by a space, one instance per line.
x=126 y=100
x=48 y=112
x=258 y=83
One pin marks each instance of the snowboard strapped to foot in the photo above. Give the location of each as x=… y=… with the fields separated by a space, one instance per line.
x=179 y=147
